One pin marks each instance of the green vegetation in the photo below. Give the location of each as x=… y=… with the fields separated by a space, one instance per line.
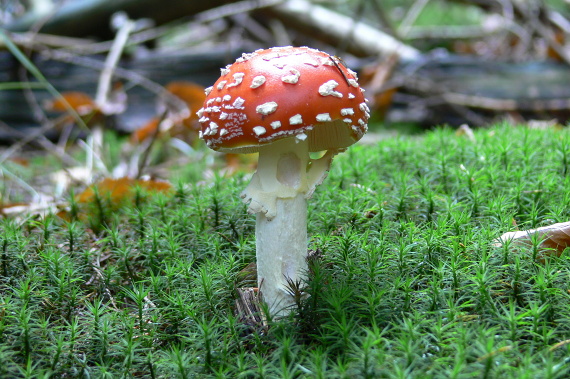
x=404 y=279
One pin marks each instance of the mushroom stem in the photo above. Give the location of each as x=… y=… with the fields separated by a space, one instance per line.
x=277 y=193
x=281 y=249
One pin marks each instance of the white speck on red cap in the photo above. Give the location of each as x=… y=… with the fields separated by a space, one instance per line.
x=311 y=62
x=257 y=81
x=352 y=73
x=327 y=89
x=266 y=108
x=238 y=103
x=323 y=117
x=259 y=130
x=238 y=78
x=364 y=107
x=293 y=78
x=296 y=120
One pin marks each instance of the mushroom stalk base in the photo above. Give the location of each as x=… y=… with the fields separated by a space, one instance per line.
x=281 y=253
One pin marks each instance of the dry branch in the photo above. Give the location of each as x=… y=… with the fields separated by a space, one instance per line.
x=334 y=28
x=91 y=17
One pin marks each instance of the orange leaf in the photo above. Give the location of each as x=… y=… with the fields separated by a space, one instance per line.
x=81 y=102
x=21 y=161
x=145 y=131
x=190 y=93
x=374 y=78
x=119 y=191
x=194 y=96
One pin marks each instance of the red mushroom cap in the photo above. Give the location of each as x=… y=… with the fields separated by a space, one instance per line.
x=284 y=92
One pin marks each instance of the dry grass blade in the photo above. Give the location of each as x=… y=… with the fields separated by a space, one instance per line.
x=248 y=310
x=494 y=353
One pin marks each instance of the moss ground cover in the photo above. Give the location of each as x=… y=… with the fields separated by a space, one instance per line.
x=404 y=279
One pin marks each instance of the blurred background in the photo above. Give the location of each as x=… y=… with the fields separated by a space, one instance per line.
x=423 y=62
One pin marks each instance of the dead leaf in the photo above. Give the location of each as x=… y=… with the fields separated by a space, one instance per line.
x=122 y=190
x=145 y=131
x=81 y=102
x=374 y=79
x=559 y=39
x=38 y=208
x=544 y=124
x=13 y=208
x=90 y=112
x=554 y=238
x=108 y=196
x=113 y=194
x=182 y=125
x=465 y=131
x=24 y=162
x=192 y=94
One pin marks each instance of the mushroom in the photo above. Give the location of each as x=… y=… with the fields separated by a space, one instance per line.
x=283 y=103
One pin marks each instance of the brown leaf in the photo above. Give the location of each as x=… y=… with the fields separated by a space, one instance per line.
x=25 y=162
x=111 y=195
x=553 y=238
x=465 y=131
x=81 y=102
x=11 y=208
x=192 y=94
x=145 y=131
x=374 y=79
x=122 y=190
x=186 y=126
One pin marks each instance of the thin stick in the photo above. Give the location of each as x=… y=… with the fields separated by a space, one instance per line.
x=411 y=17
x=104 y=85
x=128 y=75
x=144 y=157
x=21 y=57
x=41 y=139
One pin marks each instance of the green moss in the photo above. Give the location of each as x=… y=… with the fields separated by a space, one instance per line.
x=404 y=280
